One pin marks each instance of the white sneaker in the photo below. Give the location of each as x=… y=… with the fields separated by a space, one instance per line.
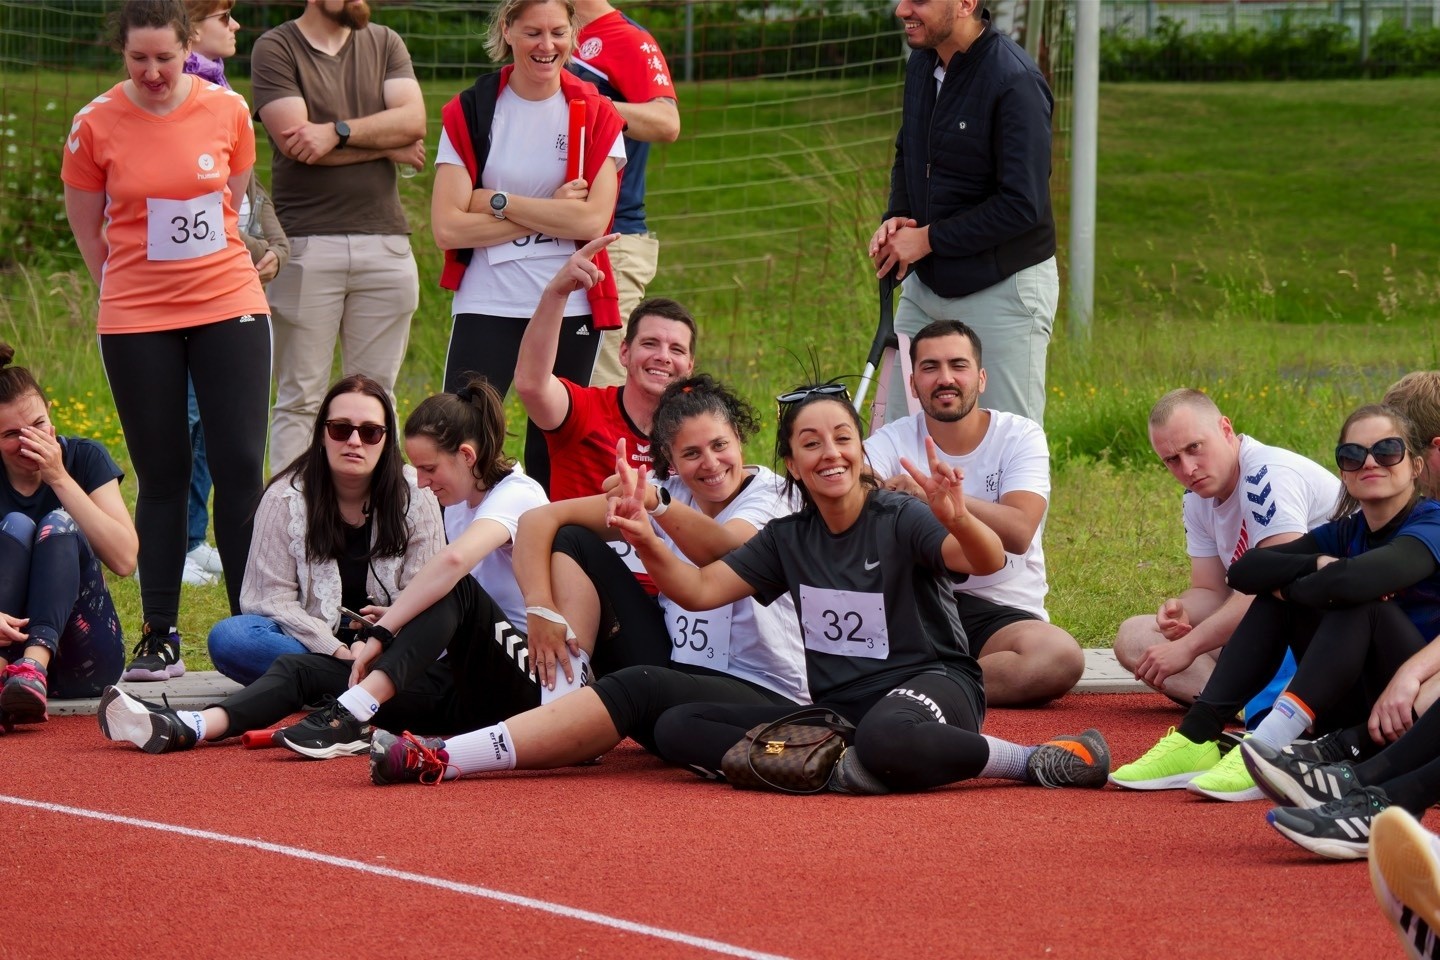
x=196 y=576
x=207 y=558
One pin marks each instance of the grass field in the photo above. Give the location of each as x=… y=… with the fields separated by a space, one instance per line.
x=1274 y=244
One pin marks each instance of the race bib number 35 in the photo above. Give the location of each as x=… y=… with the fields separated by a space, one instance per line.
x=184 y=229
x=529 y=247
x=845 y=623
x=700 y=638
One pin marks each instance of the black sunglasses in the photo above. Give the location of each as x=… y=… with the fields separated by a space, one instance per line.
x=223 y=17
x=824 y=390
x=1388 y=452
x=340 y=431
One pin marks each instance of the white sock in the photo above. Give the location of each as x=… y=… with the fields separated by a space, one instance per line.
x=194 y=720
x=361 y=705
x=1008 y=761
x=1284 y=723
x=482 y=751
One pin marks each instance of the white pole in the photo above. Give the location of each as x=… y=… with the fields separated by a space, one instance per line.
x=1084 y=139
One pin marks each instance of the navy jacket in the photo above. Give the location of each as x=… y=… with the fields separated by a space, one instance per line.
x=975 y=166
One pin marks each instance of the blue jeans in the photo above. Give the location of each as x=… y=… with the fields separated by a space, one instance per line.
x=199 y=477
x=49 y=573
x=244 y=647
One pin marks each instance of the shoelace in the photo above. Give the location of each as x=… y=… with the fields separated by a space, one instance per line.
x=1364 y=802
x=1055 y=767
x=427 y=759
x=21 y=669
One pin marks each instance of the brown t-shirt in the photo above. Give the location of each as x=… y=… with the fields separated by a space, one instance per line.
x=317 y=200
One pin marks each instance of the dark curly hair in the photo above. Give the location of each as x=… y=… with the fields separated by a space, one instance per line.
x=692 y=397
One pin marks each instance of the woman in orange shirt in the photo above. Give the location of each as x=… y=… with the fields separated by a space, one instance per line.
x=154 y=171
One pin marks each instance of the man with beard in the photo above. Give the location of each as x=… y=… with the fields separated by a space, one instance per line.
x=1005 y=465
x=969 y=226
x=340 y=102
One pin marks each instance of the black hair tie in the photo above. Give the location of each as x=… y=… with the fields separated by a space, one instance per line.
x=465 y=394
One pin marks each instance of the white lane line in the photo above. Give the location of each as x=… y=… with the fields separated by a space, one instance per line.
x=484 y=893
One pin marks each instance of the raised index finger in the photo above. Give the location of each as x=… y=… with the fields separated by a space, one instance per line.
x=598 y=244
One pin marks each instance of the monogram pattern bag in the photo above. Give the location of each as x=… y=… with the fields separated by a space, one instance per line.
x=794 y=754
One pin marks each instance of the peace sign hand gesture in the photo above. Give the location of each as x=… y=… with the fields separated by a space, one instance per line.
x=942 y=488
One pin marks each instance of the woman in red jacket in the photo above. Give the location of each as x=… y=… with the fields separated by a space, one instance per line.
x=507 y=214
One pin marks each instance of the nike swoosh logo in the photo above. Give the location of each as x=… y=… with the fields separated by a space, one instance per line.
x=871 y=564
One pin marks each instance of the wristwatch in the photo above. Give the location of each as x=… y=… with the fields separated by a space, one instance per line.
x=662 y=502
x=342 y=130
x=499 y=200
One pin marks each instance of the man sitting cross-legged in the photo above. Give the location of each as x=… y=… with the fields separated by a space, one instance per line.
x=1239 y=494
x=1026 y=659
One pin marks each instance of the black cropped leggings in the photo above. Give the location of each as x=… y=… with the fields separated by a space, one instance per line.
x=229 y=362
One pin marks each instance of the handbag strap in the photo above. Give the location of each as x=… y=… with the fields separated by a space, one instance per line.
x=809 y=717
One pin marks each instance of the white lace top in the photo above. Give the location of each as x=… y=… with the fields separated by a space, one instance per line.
x=303 y=596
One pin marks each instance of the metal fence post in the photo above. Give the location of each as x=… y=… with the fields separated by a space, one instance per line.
x=1084 y=141
x=1365 y=34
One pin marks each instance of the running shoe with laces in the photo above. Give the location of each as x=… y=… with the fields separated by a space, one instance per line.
x=1228 y=780
x=1405 y=874
x=1169 y=765
x=407 y=759
x=155 y=657
x=1079 y=760
x=207 y=558
x=1329 y=748
x=153 y=727
x=23 y=697
x=1293 y=782
x=1339 y=830
x=332 y=731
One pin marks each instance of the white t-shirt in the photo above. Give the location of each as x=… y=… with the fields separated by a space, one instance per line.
x=1279 y=492
x=1012 y=457
x=526 y=157
x=503 y=503
x=763 y=644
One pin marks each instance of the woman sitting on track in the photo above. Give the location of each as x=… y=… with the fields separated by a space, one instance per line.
x=877 y=563
x=61 y=520
x=344 y=525
x=462 y=601
x=708 y=503
x=1328 y=597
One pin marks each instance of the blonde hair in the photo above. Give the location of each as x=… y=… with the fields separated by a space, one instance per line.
x=1417 y=395
x=1166 y=406
x=506 y=14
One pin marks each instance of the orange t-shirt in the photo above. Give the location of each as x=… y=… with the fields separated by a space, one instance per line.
x=175 y=257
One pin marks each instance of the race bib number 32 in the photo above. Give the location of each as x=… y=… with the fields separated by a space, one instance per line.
x=184 y=229
x=846 y=623
x=529 y=247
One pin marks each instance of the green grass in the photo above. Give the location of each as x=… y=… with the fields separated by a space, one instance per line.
x=1273 y=244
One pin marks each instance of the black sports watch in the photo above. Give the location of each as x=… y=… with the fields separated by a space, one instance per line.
x=342 y=130
x=499 y=200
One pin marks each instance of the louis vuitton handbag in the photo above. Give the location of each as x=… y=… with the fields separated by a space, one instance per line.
x=794 y=754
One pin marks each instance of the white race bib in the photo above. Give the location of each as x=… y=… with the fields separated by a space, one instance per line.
x=845 y=623
x=627 y=554
x=529 y=247
x=185 y=229
x=700 y=638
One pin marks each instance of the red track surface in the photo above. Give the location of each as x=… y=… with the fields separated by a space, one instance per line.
x=978 y=870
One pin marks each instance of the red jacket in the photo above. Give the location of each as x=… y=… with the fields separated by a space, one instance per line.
x=466 y=120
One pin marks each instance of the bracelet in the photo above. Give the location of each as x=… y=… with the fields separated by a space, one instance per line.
x=545 y=613
x=376 y=632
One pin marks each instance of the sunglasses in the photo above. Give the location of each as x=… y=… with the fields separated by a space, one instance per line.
x=1388 y=452
x=824 y=390
x=223 y=17
x=340 y=431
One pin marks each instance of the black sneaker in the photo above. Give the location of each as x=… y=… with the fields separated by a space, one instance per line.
x=155 y=657
x=1082 y=760
x=150 y=726
x=1333 y=747
x=850 y=776
x=1293 y=782
x=331 y=731
x=1339 y=830
x=407 y=759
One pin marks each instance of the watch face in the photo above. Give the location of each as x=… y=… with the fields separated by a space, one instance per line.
x=498 y=201
x=342 y=128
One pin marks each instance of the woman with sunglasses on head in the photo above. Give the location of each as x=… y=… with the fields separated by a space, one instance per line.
x=869 y=574
x=154 y=171
x=1355 y=599
x=442 y=656
x=649 y=655
x=344 y=525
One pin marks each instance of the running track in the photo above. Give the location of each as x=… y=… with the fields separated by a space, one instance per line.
x=280 y=856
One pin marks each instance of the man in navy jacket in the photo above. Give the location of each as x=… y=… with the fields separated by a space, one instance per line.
x=969 y=225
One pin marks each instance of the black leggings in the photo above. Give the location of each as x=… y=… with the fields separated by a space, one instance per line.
x=490 y=346
x=1344 y=658
x=637 y=696
x=229 y=362
x=481 y=681
x=1408 y=770
x=632 y=626
x=923 y=733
